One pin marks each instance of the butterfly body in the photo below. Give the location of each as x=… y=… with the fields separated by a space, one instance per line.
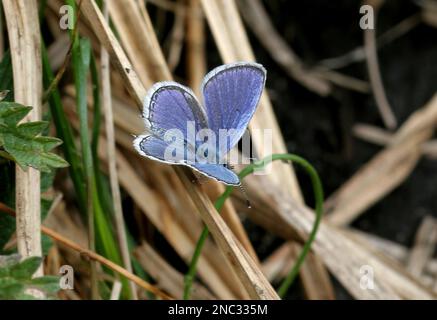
x=183 y=131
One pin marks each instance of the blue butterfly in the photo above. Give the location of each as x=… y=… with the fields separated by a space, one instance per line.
x=231 y=94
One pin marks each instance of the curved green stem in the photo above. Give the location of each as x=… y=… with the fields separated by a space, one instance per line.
x=189 y=277
x=259 y=165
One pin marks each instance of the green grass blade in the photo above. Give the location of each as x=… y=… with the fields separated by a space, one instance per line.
x=103 y=208
x=81 y=63
x=65 y=133
x=97 y=110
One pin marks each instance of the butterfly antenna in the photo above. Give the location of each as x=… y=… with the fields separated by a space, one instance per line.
x=243 y=191
x=252 y=159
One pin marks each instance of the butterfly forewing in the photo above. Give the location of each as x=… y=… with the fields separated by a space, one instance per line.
x=231 y=94
x=217 y=172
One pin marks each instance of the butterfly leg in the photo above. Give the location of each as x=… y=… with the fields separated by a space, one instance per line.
x=229 y=166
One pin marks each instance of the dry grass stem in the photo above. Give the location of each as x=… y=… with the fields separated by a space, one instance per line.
x=386 y=170
x=376 y=82
x=113 y=175
x=24 y=39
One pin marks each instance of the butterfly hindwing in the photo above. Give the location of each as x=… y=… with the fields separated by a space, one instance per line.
x=217 y=172
x=156 y=148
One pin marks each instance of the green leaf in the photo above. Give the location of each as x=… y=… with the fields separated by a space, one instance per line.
x=48 y=143
x=33 y=128
x=25 y=269
x=10 y=289
x=16 y=279
x=33 y=153
x=48 y=284
x=22 y=142
x=6 y=281
x=11 y=113
x=4 y=272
